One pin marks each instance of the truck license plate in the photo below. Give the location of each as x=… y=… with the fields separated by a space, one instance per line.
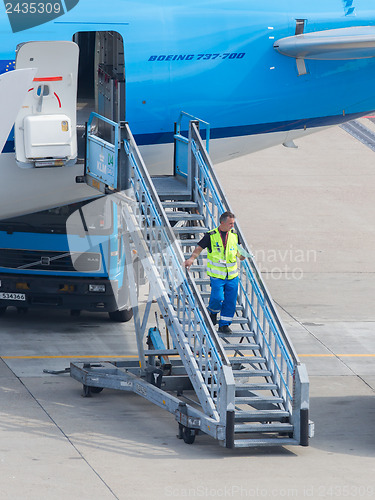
x=12 y=296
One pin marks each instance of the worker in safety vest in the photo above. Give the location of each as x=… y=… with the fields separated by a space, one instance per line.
x=222 y=252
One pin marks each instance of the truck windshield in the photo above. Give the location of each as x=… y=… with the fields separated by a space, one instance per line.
x=97 y=220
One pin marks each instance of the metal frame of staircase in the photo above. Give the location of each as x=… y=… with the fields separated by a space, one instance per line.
x=215 y=370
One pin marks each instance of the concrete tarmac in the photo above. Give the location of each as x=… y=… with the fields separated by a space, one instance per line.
x=308 y=215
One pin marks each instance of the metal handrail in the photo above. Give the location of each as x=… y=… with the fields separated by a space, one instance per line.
x=183 y=114
x=194 y=322
x=207 y=185
x=256 y=272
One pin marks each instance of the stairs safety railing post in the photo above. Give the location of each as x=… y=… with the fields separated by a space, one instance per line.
x=300 y=416
x=253 y=295
x=183 y=309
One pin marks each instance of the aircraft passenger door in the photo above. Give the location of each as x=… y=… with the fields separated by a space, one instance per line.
x=110 y=79
x=45 y=128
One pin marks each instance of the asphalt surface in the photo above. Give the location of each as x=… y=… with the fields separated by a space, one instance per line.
x=308 y=214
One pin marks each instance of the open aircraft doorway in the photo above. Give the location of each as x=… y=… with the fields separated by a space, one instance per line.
x=101 y=80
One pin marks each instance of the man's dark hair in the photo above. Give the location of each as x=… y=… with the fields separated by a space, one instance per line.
x=227 y=215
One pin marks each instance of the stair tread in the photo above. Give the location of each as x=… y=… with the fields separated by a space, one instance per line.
x=246 y=359
x=201 y=281
x=274 y=427
x=198 y=268
x=173 y=216
x=251 y=373
x=180 y=204
x=239 y=320
x=189 y=242
x=257 y=399
x=242 y=346
x=248 y=443
x=251 y=387
x=260 y=415
x=187 y=255
x=241 y=333
x=257 y=387
x=189 y=229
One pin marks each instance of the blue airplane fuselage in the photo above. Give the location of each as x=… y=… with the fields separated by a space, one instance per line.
x=215 y=60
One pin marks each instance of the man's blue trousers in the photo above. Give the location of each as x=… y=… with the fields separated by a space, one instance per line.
x=223 y=299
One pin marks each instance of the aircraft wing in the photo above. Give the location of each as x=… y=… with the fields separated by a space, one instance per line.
x=13 y=89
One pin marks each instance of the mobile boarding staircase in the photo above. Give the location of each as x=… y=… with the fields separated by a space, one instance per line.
x=245 y=389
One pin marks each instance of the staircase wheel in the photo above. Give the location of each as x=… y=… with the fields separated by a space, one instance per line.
x=96 y=390
x=188 y=435
x=88 y=390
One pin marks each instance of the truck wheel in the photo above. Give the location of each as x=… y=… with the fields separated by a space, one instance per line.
x=121 y=316
x=2 y=310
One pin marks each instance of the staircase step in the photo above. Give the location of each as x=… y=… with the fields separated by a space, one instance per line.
x=260 y=415
x=278 y=427
x=189 y=229
x=241 y=347
x=251 y=373
x=256 y=387
x=198 y=268
x=187 y=255
x=248 y=400
x=250 y=443
x=237 y=333
x=239 y=321
x=189 y=243
x=201 y=281
x=180 y=204
x=246 y=359
x=177 y=216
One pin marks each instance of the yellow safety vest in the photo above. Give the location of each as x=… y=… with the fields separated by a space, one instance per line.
x=222 y=263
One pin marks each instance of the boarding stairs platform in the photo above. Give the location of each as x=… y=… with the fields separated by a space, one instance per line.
x=245 y=389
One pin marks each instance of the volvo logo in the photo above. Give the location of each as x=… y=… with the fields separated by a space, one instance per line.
x=26 y=14
x=45 y=261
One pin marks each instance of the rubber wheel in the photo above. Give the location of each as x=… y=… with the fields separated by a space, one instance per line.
x=2 y=310
x=121 y=316
x=95 y=390
x=188 y=435
x=89 y=389
x=75 y=313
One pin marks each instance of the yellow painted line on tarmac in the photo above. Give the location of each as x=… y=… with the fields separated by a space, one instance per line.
x=336 y=355
x=135 y=356
x=67 y=357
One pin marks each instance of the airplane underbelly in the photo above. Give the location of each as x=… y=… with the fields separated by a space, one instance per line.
x=25 y=191
x=159 y=157
x=30 y=190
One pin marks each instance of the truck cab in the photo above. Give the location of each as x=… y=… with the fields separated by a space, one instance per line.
x=68 y=257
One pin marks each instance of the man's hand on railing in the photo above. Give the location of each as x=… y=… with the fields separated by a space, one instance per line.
x=188 y=262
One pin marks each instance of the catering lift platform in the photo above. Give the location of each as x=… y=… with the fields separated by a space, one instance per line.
x=245 y=389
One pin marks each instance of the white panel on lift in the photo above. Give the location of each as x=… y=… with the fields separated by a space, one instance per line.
x=13 y=90
x=50 y=104
x=48 y=136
